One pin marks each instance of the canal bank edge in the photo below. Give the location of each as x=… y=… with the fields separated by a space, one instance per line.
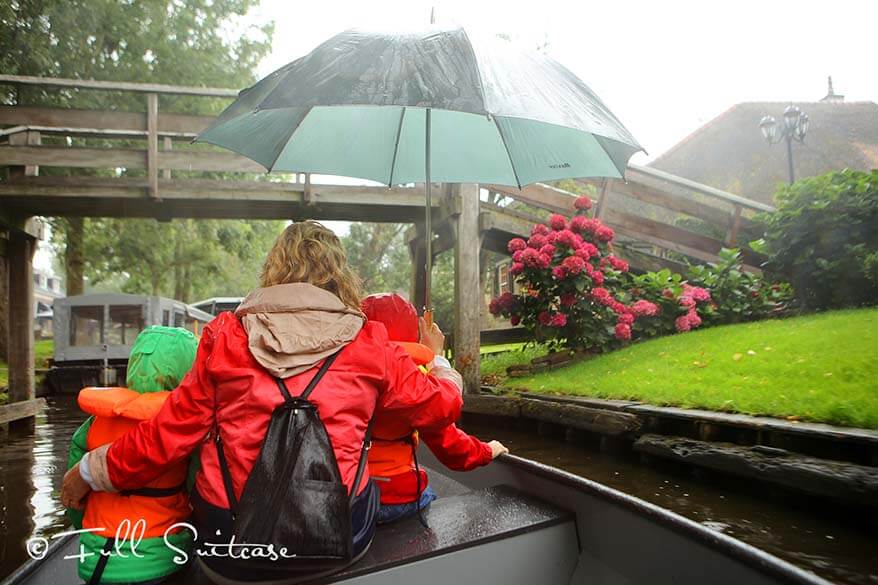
x=822 y=460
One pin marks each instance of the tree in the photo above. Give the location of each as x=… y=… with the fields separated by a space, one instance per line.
x=158 y=41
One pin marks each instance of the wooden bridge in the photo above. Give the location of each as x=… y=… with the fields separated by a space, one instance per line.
x=659 y=218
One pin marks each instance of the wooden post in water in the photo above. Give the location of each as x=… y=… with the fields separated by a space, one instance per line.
x=467 y=295
x=20 y=252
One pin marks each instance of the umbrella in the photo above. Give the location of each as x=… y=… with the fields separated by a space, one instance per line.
x=439 y=105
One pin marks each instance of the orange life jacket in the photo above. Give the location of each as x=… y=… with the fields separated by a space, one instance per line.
x=161 y=503
x=394 y=441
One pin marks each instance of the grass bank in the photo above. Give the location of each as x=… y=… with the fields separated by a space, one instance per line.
x=43 y=350
x=820 y=368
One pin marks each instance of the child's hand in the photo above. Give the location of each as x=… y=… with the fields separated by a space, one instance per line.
x=497 y=449
x=74 y=489
x=432 y=337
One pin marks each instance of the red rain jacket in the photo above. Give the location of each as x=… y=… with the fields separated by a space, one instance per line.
x=370 y=371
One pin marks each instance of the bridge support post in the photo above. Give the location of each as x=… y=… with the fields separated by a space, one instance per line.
x=467 y=293
x=20 y=252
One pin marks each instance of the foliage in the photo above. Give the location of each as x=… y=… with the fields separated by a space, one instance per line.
x=819 y=367
x=378 y=254
x=573 y=290
x=681 y=306
x=198 y=42
x=738 y=295
x=493 y=366
x=183 y=259
x=824 y=238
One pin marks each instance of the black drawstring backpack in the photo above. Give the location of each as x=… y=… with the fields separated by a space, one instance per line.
x=294 y=497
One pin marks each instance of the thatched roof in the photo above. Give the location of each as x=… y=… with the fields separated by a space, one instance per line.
x=730 y=153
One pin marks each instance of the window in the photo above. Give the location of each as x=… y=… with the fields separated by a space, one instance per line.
x=166 y=317
x=86 y=325
x=126 y=321
x=178 y=319
x=503 y=278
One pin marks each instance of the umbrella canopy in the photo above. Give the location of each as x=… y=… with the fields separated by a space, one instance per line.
x=373 y=105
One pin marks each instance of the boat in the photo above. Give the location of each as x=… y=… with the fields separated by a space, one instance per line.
x=514 y=522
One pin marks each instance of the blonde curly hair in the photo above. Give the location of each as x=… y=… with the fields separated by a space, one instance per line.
x=307 y=251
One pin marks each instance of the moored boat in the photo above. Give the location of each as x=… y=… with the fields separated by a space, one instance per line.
x=521 y=522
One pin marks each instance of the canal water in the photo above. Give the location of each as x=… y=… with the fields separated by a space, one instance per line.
x=835 y=544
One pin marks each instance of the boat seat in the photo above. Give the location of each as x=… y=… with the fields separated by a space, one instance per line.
x=464 y=521
x=472 y=535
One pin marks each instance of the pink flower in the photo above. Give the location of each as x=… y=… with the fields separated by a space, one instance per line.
x=516 y=244
x=582 y=202
x=682 y=323
x=548 y=250
x=559 y=273
x=516 y=256
x=694 y=319
x=626 y=318
x=604 y=233
x=539 y=228
x=544 y=261
x=552 y=238
x=644 y=308
x=597 y=278
x=516 y=268
x=494 y=307
x=558 y=320
x=567 y=238
x=686 y=301
x=568 y=299
x=514 y=320
x=618 y=307
x=618 y=263
x=544 y=318
x=590 y=224
x=602 y=295
x=623 y=331
x=578 y=223
x=573 y=264
x=701 y=295
x=558 y=222
x=668 y=293
x=537 y=241
x=532 y=258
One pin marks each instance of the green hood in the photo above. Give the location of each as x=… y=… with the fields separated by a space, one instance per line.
x=160 y=357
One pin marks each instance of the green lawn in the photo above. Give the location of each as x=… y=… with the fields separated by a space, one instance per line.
x=43 y=350
x=494 y=364
x=819 y=367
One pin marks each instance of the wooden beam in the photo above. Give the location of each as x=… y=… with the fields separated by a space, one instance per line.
x=16 y=411
x=118 y=86
x=167 y=145
x=108 y=158
x=603 y=198
x=676 y=203
x=418 y=254
x=124 y=124
x=152 y=144
x=539 y=195
x=467 y=293
x=732 y=234
x=675 y=185
x=20 y=253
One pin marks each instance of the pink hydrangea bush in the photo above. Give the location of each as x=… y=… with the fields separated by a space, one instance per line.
x=573 y=290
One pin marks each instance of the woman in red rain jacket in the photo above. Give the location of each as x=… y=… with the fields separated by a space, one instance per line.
x=307 y=309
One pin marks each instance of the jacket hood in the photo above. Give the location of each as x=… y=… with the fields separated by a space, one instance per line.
x=292 y=327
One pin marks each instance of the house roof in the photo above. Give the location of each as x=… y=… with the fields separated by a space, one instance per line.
x=730 y=153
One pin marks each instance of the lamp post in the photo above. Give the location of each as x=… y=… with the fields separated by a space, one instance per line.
x=794 y=126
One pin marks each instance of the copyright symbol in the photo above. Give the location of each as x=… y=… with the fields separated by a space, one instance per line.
x=37 y=547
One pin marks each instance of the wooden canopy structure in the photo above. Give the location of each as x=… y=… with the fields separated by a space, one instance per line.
x=143 y=165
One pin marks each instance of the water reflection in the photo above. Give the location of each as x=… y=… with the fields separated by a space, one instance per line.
x=32 y=464
x=829 y=542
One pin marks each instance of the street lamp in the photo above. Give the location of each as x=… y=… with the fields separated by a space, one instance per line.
x=794 y=127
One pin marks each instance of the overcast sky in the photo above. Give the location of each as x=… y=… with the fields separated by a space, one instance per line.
x=663 y=67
